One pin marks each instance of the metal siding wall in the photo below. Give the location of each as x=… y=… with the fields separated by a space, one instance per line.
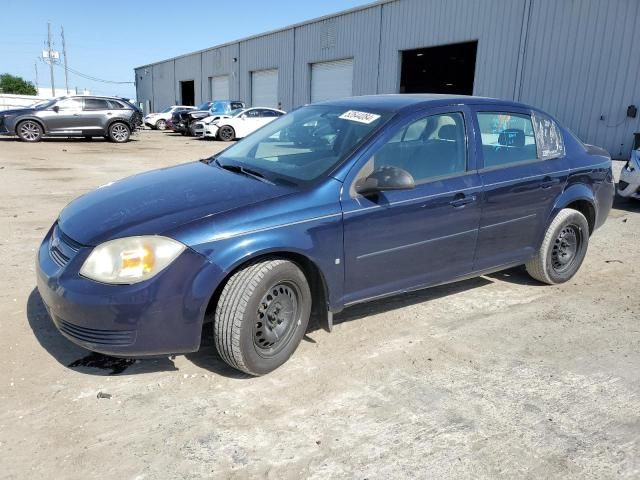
x=264 y=53
x=189 y=68
x=144 y=85
x=496 y=24
x=164 y=93
x=357 y=36
x=219 y=61
x=582 y=62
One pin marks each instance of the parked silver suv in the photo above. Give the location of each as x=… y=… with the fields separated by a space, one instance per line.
x=82 y=116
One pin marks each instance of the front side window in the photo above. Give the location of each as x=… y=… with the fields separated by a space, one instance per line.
x=548 y=137
x=304 y=144
x=428 y=148
x=253 y=113
x=506 y=138
x=70 y=104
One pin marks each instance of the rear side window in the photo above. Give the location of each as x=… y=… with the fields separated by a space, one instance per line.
x=116 y=105
x=507 y=138
x=548 y=137
x=95 y=104
x=428 y=148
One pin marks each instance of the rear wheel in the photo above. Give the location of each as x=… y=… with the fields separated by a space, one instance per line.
x=563 y=248
x=29 y=131
x=262 y=315
x=161 y=124
x=119 y=132
x=226 y=133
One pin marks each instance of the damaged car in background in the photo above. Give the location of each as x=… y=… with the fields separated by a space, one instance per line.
x=629 y=184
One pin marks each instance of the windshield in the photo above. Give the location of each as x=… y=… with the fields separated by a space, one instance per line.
x=236 y=112
x=166 y=110
x=304 y=144
x=203 y=106
x=44 y=104
x=220 y=107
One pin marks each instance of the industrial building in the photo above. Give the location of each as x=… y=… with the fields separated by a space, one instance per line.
x=576 y=59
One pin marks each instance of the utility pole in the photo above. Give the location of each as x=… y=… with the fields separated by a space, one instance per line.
x=35 y=64
x=64 y=52
x=53 y=87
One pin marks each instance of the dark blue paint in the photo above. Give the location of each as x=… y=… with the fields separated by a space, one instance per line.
x=444 y=230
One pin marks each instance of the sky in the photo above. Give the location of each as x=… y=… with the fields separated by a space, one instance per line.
x=107 y=40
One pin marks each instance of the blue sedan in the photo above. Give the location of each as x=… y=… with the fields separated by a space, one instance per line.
x=334 y=204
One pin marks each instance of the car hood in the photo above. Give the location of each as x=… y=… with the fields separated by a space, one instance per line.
x=17 y=111
x=155 y=202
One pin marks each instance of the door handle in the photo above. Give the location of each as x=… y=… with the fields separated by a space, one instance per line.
x=76 y=114
x=460 y=200
x=548 y=182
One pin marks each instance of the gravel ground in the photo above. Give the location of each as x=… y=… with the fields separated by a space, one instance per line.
x=495 y=377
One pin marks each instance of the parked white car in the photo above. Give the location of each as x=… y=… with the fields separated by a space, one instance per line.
x=240 y=124
x=629 y=184
x=158 y=121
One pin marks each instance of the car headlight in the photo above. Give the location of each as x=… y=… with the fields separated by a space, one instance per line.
x=131 y=259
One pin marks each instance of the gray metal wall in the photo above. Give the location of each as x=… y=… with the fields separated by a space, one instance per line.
x=573 y=58
x=582 y=64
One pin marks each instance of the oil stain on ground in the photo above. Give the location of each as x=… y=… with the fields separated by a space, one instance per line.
x=103 y=362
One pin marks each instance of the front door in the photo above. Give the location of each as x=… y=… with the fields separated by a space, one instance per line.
x=406 y=239
x=519 y=187
x=65 y=117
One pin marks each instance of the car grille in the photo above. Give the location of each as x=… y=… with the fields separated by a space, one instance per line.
x=62 y=248
x=114 y=338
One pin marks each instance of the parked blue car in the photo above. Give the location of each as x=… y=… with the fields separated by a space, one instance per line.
x=333 y=204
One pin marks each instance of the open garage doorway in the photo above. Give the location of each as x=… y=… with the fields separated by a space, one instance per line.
x=187 y=92
x=443 y=69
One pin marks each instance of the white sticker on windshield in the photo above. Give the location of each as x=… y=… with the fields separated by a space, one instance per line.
x=361 y=117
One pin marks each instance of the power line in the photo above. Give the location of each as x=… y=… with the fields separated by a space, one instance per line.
x=92 y=78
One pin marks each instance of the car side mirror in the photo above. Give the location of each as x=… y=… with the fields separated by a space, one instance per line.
x=243 y=116
x=385 y=179
x=56 y=108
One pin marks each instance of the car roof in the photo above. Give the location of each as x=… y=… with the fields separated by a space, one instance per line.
x=403 y=101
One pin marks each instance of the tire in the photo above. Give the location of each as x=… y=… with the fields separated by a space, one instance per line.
x=119 y=132
x=161 y=124
x=226 y=133
x=29 y=131
x=262 y=315
x=563 y=248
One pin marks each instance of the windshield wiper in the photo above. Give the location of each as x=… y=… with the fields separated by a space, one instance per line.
x=243 y=170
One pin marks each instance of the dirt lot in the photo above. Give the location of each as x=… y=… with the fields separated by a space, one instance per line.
x=496 y=377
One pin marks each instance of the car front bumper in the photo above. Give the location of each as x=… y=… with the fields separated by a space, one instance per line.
x=210 y=131
x=629 y=184
x=162 y=315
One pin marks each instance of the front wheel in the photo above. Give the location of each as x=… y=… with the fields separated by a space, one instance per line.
x=161 y=124
x=226 y=133
x=29 y=131
x=262 y=315
x=119 y=132
x=563 y=248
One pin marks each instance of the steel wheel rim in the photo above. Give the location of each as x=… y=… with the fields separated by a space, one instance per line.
x=119 y=132
x=161 y=125
x=277 y=316
x=565 y=248
x=30 y=130
x=226 y=134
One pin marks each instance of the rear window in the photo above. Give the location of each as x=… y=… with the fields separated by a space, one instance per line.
x=507 y=138
x=95 y=104
x=548 y=137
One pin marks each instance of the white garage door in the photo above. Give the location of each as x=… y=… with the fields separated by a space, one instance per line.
x=219 y=88
x=331 y=80
x=264 y=88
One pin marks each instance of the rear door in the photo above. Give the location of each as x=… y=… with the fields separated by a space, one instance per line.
x=520 y=185
x=95 y=114
x=399 y=240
